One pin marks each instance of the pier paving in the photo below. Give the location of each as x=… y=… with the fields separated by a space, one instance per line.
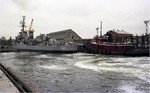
x=6 y=85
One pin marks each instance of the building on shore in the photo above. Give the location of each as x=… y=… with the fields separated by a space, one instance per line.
x=142 y=41
x=65 y=36
x=124 y=37
x=119 y=36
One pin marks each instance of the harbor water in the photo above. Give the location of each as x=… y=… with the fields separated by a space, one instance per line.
x=82 y=72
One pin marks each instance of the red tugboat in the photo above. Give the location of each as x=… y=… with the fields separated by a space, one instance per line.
x=103 y=47
x=120 y=43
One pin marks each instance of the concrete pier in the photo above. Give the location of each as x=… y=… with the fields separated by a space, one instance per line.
x=13 y=81
x=6 y=85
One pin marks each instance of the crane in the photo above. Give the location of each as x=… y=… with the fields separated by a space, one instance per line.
x=30 y=28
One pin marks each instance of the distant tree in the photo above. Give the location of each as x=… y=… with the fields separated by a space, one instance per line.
x=3 y=38
x=4 y=41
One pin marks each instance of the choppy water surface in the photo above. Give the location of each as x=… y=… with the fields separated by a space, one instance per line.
x=81 y=72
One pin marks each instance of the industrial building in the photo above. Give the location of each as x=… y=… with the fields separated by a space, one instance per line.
x=65 y=36
x=119 y=36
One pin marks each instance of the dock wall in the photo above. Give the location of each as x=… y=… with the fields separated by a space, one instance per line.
x=22 y=84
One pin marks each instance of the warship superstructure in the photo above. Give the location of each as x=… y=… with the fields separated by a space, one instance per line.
x=25 y=41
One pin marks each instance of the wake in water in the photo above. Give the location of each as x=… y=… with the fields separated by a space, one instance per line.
x=81 y=72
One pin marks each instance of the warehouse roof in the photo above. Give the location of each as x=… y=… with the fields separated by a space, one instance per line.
x=60 y=34
x=119 y=31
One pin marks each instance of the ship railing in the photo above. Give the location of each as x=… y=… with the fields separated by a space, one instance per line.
x=113 y=43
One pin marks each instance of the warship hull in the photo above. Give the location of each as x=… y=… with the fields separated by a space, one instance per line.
x=47 y=49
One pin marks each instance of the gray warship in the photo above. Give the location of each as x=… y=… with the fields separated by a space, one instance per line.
x=25 y=41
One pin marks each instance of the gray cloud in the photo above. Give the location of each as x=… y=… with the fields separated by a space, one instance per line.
x=22 y=4
x=83 y=16
x=25 y=5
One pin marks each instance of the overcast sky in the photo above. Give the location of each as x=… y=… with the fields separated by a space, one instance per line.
x=82 y=16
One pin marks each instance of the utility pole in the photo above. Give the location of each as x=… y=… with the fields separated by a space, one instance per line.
x=146 y=26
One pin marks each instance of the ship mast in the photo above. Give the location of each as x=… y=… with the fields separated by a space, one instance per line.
x=97 y=31
x=23 y=24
